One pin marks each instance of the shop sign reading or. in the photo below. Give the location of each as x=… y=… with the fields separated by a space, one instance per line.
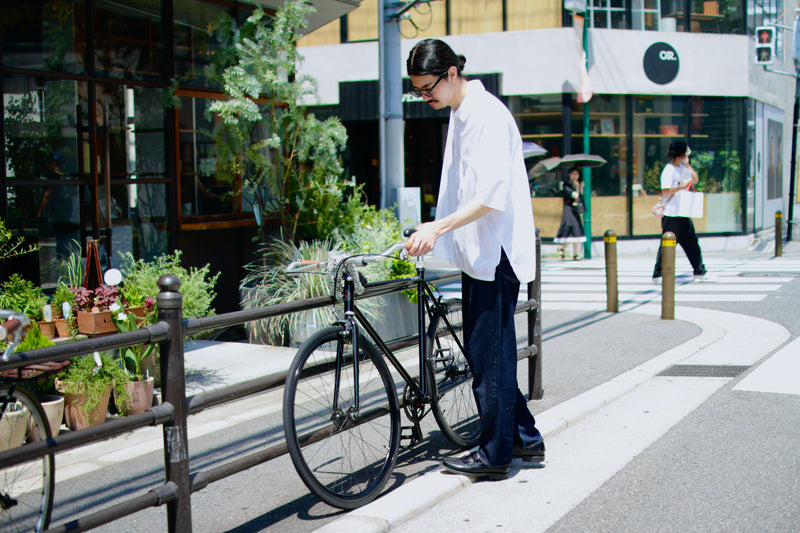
x=661 y=63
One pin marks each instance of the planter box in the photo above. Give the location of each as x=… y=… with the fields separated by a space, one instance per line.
x=95 y=323
x=62 y=327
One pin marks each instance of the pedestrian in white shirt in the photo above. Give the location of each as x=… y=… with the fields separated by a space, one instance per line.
x=678 y=175
x=484 y=226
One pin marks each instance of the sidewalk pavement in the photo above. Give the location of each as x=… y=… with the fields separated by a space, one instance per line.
x=213 y=365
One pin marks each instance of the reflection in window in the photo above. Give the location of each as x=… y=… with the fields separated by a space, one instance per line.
x=128 y=39
x=204 y=190
x=44 y=35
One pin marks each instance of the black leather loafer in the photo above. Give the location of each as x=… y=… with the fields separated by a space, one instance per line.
x=472 y=465
x=530 y=454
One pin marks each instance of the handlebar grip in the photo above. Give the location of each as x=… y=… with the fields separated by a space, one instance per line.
x=408 y=232
x=9 y=327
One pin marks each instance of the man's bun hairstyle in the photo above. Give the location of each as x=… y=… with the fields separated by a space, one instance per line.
x=432 y=56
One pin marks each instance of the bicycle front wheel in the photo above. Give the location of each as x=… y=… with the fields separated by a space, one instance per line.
x=454 y=406
x=343 y=452
x=26 y=490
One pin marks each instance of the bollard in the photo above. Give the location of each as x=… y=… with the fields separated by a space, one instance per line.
x=612 y=292
x=668 y=276
x=176 y=442
x=778 y=233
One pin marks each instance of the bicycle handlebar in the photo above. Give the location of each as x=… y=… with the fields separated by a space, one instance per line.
x=306 y=266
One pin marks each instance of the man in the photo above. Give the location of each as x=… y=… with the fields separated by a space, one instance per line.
x=484 y=226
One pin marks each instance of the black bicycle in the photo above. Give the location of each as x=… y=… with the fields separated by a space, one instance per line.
x=341 y=412
x=26 y=489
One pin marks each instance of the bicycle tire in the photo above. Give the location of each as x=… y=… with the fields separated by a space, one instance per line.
x=345 y=456
x=26 y=489
x=454 y=406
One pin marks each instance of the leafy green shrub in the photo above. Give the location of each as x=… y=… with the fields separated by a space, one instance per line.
x=84 y=377
x=22 y=296
x=140 y=280
x=267 y=283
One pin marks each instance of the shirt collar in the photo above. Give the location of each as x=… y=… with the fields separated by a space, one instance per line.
x=470 y=102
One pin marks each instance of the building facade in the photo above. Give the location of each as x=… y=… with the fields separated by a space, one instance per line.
x=659 y=71
x=105 y=133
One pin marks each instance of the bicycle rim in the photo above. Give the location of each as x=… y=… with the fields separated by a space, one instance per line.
x=26 y=490
x=454 y=406
x=343 y=455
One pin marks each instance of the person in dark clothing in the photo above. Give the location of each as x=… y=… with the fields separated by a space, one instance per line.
x=571 y=229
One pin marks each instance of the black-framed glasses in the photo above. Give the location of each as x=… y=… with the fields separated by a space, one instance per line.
x=419 y=93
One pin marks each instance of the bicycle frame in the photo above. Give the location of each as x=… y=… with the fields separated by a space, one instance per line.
x=355 y=319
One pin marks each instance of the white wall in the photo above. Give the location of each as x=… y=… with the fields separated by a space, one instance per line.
x=546 y=62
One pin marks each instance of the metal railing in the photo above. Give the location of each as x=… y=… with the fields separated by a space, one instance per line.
x=170 y=332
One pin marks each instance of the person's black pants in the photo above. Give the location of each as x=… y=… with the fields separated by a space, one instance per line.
x=491 y=345
x=683 y=228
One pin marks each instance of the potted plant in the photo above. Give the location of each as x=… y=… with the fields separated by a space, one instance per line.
x=87 y=386
x=64 y=318
x=52 y=404
x=93 y=309
x=140 y=282
x=140 y=387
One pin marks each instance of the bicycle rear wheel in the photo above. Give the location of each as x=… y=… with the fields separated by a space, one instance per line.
x=343 y=453
x=454 y=406
x=26 y=490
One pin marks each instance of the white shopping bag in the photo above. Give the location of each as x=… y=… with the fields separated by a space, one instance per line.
x=690 y=204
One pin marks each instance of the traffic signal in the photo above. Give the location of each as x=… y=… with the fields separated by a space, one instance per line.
x=765 y=45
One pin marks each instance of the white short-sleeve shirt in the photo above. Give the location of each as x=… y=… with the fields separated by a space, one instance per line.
x=483 y=163
x=672 y=176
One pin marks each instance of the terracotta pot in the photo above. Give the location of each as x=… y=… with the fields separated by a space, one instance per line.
x=140 y=397
x=95 y=323
x=48 y=329
x=13 y=428
x=75 y=415
x=62 y=327
x=140 y=312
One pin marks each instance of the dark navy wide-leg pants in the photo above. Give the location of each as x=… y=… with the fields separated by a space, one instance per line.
x=491 y=344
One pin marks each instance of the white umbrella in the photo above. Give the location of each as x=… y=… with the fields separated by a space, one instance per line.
x=530 y=149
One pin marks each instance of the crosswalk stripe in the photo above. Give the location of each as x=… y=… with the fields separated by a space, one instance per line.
x=728 y=281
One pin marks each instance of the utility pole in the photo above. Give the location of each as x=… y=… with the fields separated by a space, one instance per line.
x=391 y=126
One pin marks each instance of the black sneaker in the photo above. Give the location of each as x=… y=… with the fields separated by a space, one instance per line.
x=700 y=274
x=657 y=280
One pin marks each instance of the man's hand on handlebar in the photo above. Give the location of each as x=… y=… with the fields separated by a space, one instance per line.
x=422 y=240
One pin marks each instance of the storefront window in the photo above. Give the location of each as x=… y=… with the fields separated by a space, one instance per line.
x=608 y=139
x=716 y=131
x=194 y=48
x=128 y=39
x=44 y=35
x=205 y=192
x=539 y=119
x=657 y=122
